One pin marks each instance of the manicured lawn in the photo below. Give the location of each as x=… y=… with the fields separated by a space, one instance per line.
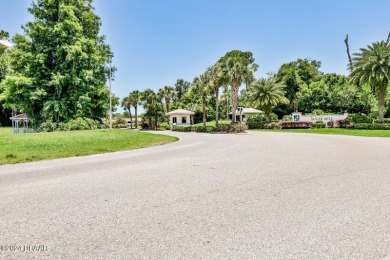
x=212 y=123
x=38 y=146
x=333 y=131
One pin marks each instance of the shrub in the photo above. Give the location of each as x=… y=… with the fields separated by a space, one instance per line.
x=223 y=127
x=287 y=118
x=238 y=128
x=295 y=124
x=82 y=124
x=273 y=125
x=63 y=127
x=258 y=125
x=344 y=123
x=145 y=125
x=205 y=129
x=273 y=117
x=330 y=124
x=360 y=118
x=256 y=119
x=48 y=126
x=372 y=126
x=182 y=128
x=318 y=112
x=318 y=124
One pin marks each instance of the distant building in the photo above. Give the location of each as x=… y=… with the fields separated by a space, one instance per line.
x=243 y=113
x=180 y=117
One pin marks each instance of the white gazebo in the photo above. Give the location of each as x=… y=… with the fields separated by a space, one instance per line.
x=180 y=117
x=20 y=124
x=243 y=113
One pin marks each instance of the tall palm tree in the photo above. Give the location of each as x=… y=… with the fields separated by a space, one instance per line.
x=265 y=94
x=167 y=93
x=135 y=100
x=215 y=74
x=372 y=66
x=126 y=104
x=226 y=95
x=152 y=104
x=202 y=86
x=236 y=73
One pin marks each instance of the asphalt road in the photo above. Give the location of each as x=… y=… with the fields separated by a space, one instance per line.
x=249 y=196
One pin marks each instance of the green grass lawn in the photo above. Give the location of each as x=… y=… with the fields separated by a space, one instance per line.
x=39 y=146
x=212 y=123
x=333 y=131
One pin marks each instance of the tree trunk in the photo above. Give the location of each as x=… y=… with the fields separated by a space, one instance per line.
x=234 y=101
x=349 y=55
x=227 y=107
x=204 y=110
x=381 y=105
x=167 y=107
x=216 y=106
x=136 y=117
x=131 y=118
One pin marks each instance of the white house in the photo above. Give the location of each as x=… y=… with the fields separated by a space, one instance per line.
x=243 y=113
x=180 y=117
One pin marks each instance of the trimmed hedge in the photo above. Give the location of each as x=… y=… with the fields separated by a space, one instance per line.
x=295 y=124
x=225 y=128
x=72 y=125
x=373 y=126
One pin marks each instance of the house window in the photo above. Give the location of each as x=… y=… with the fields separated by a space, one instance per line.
x=174 y=120
x=184 y=120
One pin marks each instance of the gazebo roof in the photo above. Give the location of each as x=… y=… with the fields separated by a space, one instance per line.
x=180 y=112
x=20 y=116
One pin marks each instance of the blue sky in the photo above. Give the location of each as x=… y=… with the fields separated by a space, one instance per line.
x=157 y=42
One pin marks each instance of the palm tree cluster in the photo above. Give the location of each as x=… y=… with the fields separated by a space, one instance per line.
x=370 y=66
x=230 y=72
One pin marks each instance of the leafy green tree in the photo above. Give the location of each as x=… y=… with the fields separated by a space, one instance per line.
x=201 y=85
x=153 y=106
x=59 y=63
x=126 y=104
x=167 y=94
x=135 y=100
x=5 y=113
x=296 y=75
x=238 y=68
x=372 y=66
x=181 y=87
x=265 y=94
x=215 y=74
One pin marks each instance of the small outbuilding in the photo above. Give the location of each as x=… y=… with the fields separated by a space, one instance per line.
x=21 y=124
x=243 y=113
x=180 y=117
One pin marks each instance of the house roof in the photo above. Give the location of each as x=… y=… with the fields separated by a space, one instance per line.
x=20 y=116
x=248 y=110
x=180 y=112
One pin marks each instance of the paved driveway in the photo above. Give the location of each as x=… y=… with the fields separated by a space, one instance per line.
x=247 y=196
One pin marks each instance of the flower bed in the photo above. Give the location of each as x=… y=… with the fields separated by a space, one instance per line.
x=295 y=124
